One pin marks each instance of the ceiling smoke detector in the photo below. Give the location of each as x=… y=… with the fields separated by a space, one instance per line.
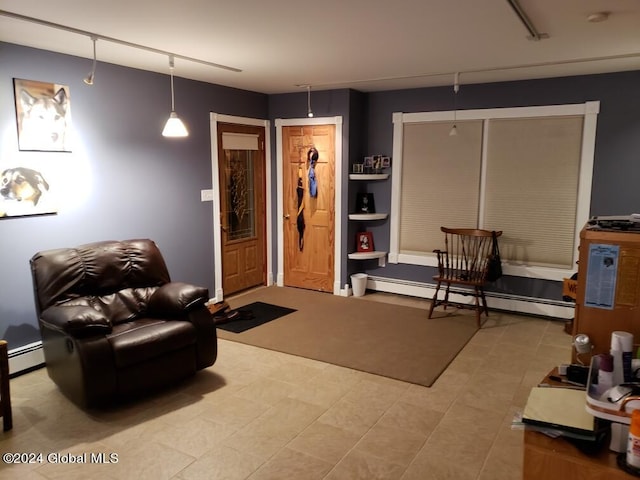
x=598 y=17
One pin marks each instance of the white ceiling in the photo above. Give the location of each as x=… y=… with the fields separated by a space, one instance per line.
x=368 y=45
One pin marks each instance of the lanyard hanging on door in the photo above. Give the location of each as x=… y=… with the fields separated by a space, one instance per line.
x=300 y=219
x=312 y=156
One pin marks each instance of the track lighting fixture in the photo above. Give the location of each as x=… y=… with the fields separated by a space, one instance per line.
x=309 y=111
x=89 y=78
x=456 y=88
x=174 y=126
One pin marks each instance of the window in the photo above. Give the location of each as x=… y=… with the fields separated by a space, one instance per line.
x=525 y=171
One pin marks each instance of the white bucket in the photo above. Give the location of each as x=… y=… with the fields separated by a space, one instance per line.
x=359 y=284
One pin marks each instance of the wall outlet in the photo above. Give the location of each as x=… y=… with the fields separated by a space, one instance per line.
x=206 y=195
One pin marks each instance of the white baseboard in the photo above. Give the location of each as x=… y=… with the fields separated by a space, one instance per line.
x=512 y=303
x=25 y=357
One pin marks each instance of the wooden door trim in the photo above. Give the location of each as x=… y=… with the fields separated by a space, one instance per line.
x=214 y=118
x=292 y=122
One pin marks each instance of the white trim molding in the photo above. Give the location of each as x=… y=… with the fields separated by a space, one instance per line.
x=588 y=110
x=214 y=118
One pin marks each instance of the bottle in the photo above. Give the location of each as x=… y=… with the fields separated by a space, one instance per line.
x=633 y=444
x=605 y=373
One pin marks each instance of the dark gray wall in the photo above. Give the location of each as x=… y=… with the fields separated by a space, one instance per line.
x=616 y=175
x=142 y=185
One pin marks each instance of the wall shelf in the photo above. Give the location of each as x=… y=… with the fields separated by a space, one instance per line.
x=368 y=256
x=368 y=216
x=368 y=176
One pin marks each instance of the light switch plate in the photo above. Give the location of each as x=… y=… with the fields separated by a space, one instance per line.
x=206 y=195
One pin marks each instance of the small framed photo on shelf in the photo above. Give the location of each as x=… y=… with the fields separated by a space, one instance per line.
x=368 y=164
x=364 y=242
x=365 y=203
x=358 y=168
x=386 y=162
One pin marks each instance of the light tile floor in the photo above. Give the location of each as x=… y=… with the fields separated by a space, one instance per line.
x=263 y=415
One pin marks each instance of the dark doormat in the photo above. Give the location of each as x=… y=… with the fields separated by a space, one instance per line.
x=261 y=312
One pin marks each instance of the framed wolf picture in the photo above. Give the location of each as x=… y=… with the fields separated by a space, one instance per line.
x=43 y=113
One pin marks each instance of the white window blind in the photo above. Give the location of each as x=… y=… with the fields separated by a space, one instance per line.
x=440 y=184
x=531 y=187
x=524 y=170
x=239 y=141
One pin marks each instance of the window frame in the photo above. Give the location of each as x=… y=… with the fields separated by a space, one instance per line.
x=589 y=110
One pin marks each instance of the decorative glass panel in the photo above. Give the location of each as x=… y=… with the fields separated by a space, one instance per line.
x=240 y=195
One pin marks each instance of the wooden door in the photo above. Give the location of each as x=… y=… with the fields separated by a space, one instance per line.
x=309 y=256
x=241 y=164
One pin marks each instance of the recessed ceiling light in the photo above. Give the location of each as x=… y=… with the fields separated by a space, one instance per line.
x=598 y=17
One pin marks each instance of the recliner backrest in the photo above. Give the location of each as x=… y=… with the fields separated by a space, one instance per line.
x=96 y=273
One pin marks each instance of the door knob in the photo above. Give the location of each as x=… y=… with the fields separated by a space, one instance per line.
x=287 y=216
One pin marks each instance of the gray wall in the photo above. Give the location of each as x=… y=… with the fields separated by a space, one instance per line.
x=142 y=185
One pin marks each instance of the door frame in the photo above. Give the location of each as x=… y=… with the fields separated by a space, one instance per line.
x=337 y=241
x=214 y=118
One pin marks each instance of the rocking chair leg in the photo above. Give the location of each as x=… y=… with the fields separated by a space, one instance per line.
x=434 y=301
x=445 y=302
x=484 y=302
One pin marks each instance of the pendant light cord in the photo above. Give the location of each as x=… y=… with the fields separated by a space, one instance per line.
x=171 y=67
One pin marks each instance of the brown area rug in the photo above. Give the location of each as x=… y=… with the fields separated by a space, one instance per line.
x=380 y=338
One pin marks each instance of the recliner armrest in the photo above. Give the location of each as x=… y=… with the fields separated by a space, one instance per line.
x=79 y=321
x=174 y=299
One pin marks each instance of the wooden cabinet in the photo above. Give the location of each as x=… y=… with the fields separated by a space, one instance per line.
x=547 y=458
x=608 y=296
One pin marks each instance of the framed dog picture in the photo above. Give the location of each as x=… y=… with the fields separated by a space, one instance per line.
x=364 y=242
x=43 y=116
x=365 y=203
x=24 y=191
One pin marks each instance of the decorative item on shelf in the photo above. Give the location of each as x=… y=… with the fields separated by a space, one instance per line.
x=364 y=241
x=358 y=167
x=365 y=203
x=368 y=164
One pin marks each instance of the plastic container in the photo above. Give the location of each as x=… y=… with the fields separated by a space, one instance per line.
x=359 y=284
x=633 y=446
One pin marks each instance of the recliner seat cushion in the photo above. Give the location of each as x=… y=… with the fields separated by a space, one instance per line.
x=145 y=338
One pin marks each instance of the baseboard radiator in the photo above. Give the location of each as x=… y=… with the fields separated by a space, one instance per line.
x=25 y=358
x=511 y=303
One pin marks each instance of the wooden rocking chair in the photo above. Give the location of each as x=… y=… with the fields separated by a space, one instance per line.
x=463 y=262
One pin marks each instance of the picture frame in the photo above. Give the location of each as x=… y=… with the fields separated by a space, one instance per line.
x=43 y=116
x=386 y=162
x=368 y=162
x=27 y=189
x=364 y=242
x=358 y=168
x=365 y=203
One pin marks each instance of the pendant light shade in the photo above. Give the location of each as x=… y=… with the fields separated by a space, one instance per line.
x=174 y=126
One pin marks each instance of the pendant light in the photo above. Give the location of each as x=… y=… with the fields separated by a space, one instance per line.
x=89 y=78
x=174 y=126
x=309 y=111
x=456 y=87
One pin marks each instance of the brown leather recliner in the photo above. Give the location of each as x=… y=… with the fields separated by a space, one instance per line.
x=113 y=324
